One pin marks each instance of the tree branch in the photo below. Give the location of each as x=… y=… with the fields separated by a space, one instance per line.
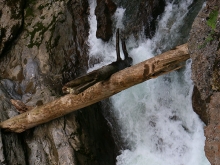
x=117 y=46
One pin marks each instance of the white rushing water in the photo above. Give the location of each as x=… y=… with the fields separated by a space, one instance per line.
x=156 y=118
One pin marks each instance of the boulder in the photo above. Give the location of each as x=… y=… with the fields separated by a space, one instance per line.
x=199 y=106
x=11 y=21
x=143 y=16
x=205 y=53
x=49 y=51
x=212 y=130
x=104 y=11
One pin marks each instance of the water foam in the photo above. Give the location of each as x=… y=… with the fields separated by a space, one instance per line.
x=156 y=118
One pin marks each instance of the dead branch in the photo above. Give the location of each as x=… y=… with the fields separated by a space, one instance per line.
x=20 y=106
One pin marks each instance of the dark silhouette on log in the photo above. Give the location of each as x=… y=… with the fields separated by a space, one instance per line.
x=151 y=68
x=80 y=84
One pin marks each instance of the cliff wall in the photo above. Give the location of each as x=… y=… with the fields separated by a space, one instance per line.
x=43 y=45
x=204 y=47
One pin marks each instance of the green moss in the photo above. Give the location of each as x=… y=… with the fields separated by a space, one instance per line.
x=29 y=12
x=36 y=32
x=52 y=42
x=208 y=39
x=41 y=29
x=211 y=22
x=213 y=16
x=37 y=28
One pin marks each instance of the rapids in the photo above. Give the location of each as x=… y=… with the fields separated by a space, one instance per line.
x=156 y=120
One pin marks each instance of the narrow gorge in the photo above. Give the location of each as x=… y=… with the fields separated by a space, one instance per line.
x=45 y=44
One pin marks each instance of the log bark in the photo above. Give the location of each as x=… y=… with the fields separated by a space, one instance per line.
x=151 y=68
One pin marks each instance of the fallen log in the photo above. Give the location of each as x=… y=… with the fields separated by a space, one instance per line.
x=151 y=68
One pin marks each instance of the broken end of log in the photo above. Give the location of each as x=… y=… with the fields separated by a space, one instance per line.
x=9 y=126
x=20 y=106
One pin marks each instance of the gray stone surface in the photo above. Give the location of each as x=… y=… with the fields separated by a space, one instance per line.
x=50 y=50
x=205 y=53
x=11 y=21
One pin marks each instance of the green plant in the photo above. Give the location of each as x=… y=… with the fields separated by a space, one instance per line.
x=211 y=22
x=213 y=16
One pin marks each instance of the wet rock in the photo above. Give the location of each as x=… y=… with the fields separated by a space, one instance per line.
x=76 y=139
x=212 y=131
x=205 y=53
x=11 y=147
x=104 y=11
x=203 y=49
x=143 y=16
x=51 y=50
x=216 y=74
x=11 y=21
x=199 y=106
x=153 y=10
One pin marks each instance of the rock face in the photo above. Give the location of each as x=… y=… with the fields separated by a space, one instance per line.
x=199 y=105
x=42 y=46
x=205 y=53
x=154 y=9
x=11 y=147
x=11 y=21
x=212 y=130
x=140 y=15
x=104 y=11
x=143 y=16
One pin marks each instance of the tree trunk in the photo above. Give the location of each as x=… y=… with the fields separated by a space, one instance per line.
x=152 y=68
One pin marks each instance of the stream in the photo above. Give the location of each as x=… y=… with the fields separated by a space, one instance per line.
x=155 y=119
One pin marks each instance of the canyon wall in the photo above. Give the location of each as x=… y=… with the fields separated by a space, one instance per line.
x=204 y=47
x=43 y=45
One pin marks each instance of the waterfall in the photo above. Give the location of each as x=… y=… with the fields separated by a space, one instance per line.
x=156 y=118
